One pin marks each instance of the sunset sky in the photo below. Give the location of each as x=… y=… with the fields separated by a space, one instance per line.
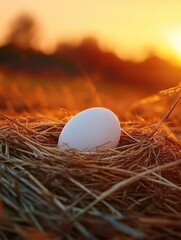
x=132 y=28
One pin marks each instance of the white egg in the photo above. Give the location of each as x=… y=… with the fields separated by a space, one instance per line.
x=92 y=129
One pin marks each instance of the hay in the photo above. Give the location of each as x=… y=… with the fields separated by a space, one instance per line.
x=132 y=192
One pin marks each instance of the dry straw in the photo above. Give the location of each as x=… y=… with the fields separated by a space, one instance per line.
x=132 y=192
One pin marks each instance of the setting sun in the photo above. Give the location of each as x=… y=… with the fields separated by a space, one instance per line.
x=172 y=45
x=173 y=39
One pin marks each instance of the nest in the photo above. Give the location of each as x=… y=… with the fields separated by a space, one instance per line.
x=131 y=192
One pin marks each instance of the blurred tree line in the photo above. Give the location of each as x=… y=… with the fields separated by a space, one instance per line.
x=18 y=55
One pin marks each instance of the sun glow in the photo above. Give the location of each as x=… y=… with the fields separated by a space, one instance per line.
x=174 y=41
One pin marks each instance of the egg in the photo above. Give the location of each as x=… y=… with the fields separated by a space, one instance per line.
x=91 y=130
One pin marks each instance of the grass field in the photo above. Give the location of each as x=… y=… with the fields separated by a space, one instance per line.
x=33 y=94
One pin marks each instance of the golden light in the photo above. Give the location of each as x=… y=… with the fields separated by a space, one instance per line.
x=175 y=42
x=173 y=39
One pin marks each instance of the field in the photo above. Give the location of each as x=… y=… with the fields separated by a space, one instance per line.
x=22 y=93
x=131 y=192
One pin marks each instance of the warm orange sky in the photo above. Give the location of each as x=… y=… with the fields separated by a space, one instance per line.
x=130 y=27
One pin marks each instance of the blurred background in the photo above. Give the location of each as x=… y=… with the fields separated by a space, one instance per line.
x=79 y=54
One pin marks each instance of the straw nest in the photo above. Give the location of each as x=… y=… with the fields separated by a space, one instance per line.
x=132 y=192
